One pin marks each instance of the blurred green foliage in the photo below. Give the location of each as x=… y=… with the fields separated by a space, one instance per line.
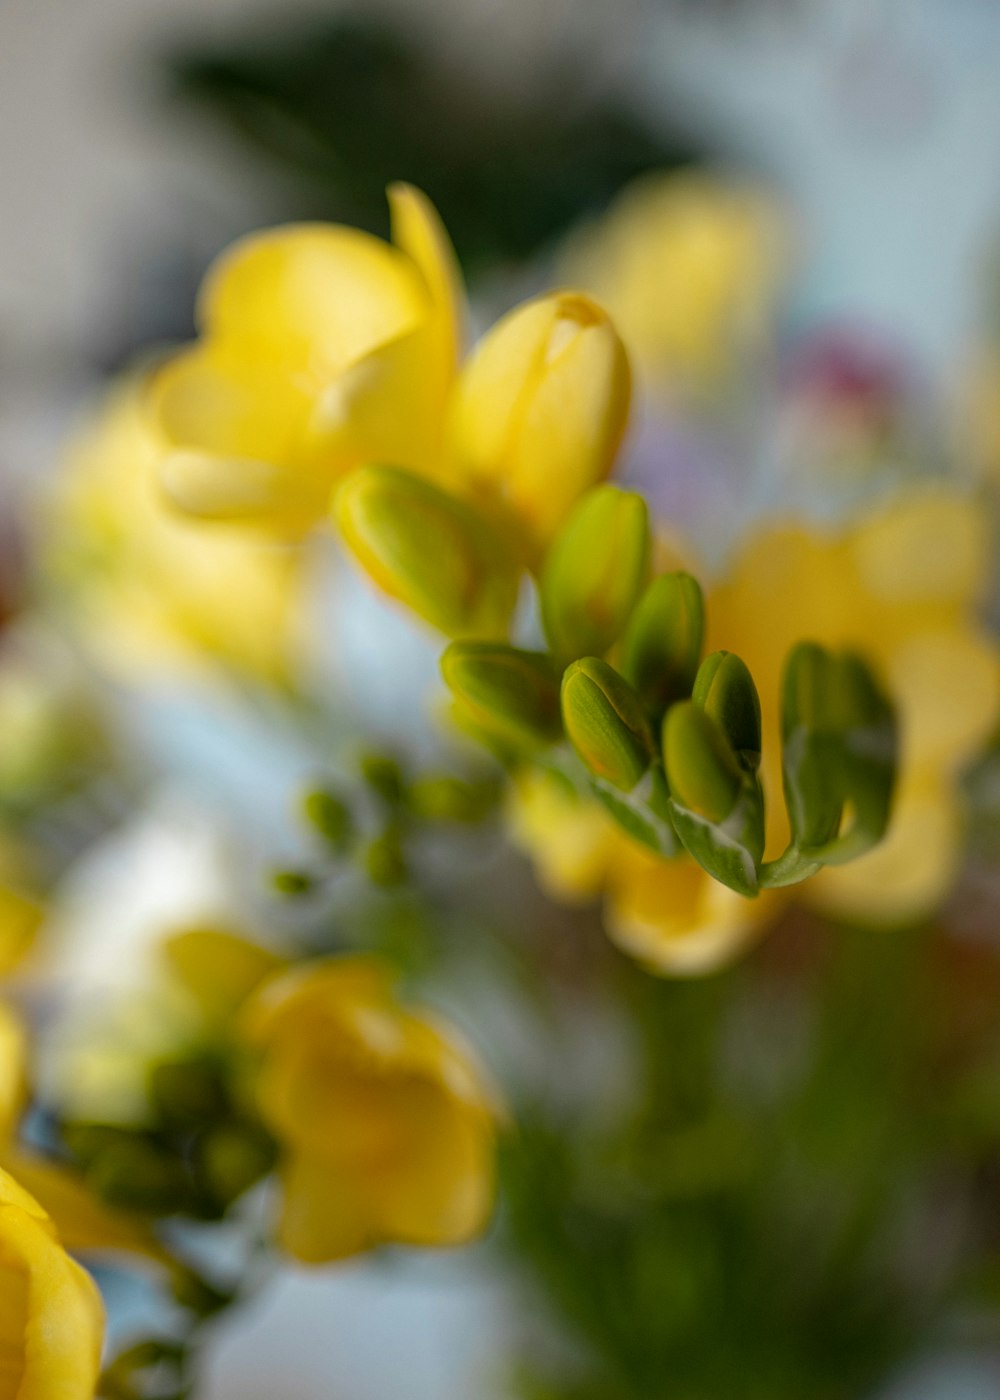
x=802 y=1194
x=343 y=106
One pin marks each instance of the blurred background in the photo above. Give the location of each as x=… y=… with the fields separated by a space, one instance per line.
x=138 y=139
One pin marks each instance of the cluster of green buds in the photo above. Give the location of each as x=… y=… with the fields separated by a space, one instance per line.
x=623 y=704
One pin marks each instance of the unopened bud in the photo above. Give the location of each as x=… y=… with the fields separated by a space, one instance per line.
x=511 y=694
x=606 y=723
x=725 y=690
x=702 y=770
x=428 y=549
x=663 y=641
x=594 y=571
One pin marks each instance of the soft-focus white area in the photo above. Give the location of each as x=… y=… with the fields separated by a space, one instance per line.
x=882 y=122
x=422 y=1328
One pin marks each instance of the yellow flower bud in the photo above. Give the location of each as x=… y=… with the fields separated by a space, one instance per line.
x=385 y=1123
x=540 y=409
x=430 y=550
x=51 y=1317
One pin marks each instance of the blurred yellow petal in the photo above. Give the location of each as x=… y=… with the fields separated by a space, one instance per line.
x=83 y=1224
x=948 y=689
x=51 y=1316
x=20 y=918
x=570 y=839
x=932 y=547
x=218 y=969
x=676 y=920
x=314 y=297
x=13 y=1071
x=418 y=232
x=387 y=1124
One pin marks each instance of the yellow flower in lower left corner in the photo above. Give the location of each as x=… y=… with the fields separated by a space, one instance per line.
x=386 y=1123
x=51 y=1316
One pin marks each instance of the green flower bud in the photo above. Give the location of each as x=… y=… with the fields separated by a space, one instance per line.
x=606 y=724
x=329 y=816
x=663 y=641
x=232 y=1156
x=806 y=689
x=594 y=571
x=512 y=695
x=384 y=860
x=725 y=690
x=702 y=770
x=428 y=549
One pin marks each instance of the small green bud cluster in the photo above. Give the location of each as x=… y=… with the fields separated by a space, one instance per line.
x=671 y=743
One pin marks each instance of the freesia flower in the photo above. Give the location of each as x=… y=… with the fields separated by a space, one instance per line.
x=321 y=347
x=150 y=589
x=386 y=1124
x=51 y=1317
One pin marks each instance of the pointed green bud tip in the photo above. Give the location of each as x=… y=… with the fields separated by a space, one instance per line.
x=702 y=769
x=663 y=642
x=329 y=816
x=725 y=690
x=594 y=572
x=606 y=724
x=511 y=694
x=806 y=688
x=428 y=549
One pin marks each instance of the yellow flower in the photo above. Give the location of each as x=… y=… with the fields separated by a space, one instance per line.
x=688 y=267
x=152 y=589
x=540 y=409
x=322 y=347
x=51 y=1317
x=902 y=588
x=386 y=1125
x=668 y=914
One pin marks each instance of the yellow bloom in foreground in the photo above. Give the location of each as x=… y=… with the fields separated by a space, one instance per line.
x=151 y=588
x=540 y=409
x=51 y=1317
x=386 y=1124
x=902 y=588
x=321 y=347
x=688 y=267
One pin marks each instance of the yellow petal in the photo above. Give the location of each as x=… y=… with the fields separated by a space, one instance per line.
x=947 y=686
x=418 y=232
x=315 y=297
x=930 y=547
x=540 y=409
x=568 y=838
x=51 y=1316
x=218 y=969
x=83 y=1224
x=246 y=490
x=13 y=1071
x=678 y=921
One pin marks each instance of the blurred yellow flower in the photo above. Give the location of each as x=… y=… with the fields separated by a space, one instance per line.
x=386 y=1124
x=540 y=409
x=151 y=588
x=688 y=265
x=321 y=347
x=51 y=1316
x=901 y=587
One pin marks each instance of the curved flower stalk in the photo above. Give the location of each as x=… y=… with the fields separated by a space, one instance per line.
x=386 y=1124
x=51 y=1317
